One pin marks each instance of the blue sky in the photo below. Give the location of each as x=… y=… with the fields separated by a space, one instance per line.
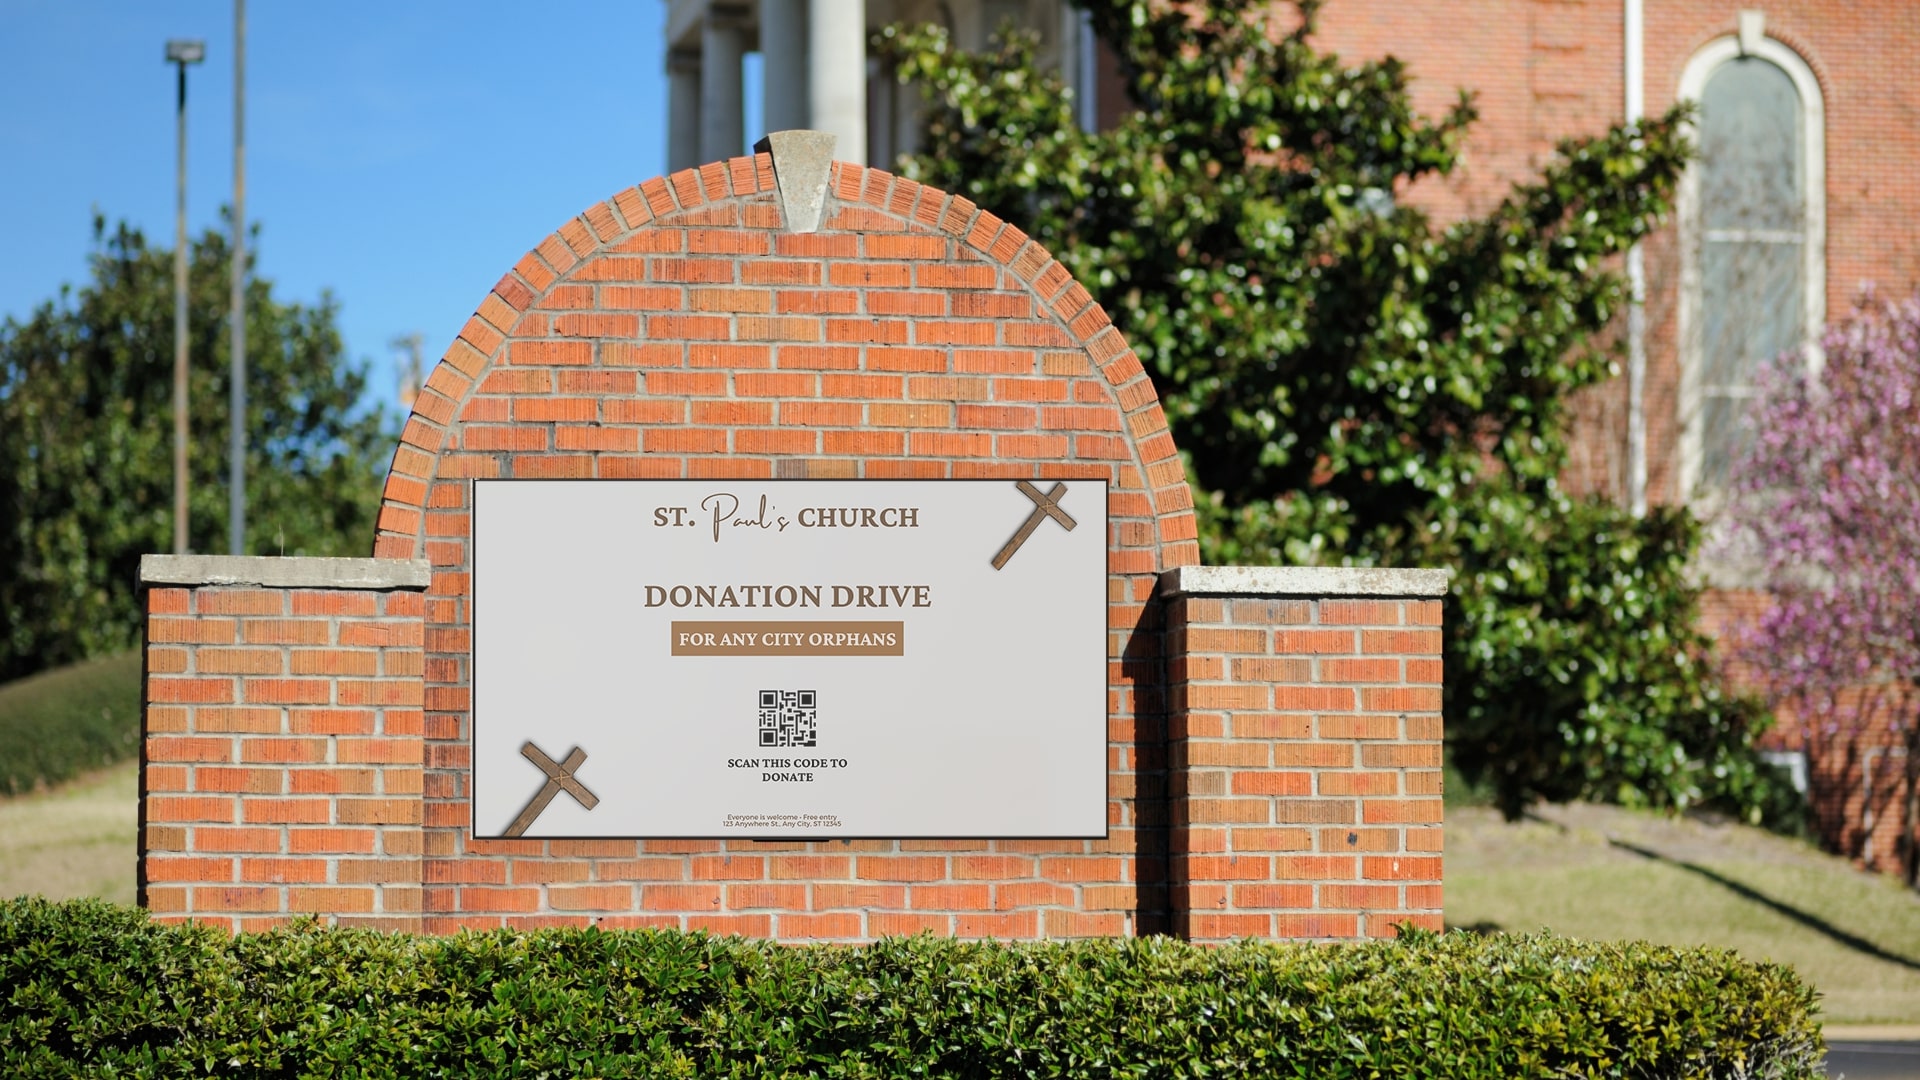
x=402 y=155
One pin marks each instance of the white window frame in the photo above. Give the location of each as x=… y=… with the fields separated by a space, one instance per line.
x=1693 y=83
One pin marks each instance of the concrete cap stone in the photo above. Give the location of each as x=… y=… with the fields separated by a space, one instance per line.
x=1329 y=581
x=285 y=573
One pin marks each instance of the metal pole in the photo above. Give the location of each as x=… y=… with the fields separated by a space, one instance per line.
x=180 y=322
x=180 y=53
x=237 y=441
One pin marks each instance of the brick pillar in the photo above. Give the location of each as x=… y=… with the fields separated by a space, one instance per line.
x=1303 y=750
x=282 y=768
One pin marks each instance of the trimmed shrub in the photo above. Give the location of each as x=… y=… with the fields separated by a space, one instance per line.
x=60 y=723
x=90 y=989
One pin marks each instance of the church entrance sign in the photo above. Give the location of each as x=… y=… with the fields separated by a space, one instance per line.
x=800 y=659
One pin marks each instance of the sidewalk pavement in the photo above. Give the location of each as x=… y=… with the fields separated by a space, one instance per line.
x=1873 y=1053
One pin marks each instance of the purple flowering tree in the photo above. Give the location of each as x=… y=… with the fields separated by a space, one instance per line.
x=1826 y=506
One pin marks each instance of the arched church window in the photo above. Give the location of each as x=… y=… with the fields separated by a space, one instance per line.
x=1754 y=286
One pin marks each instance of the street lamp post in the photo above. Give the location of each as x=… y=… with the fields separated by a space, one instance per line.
x=181 y=52
x=237 y=397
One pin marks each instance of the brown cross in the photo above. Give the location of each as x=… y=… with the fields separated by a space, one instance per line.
x=1045 y=506
x=559 y=778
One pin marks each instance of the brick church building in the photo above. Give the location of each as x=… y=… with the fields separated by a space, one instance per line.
x=1805 y=194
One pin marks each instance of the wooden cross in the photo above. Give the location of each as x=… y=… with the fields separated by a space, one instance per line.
x=559 y=778
x=1045 y=506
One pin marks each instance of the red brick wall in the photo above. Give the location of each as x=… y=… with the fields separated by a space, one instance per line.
x=1540 y=71
x=678 y=330
x=1304 y=746
x=282 y=776
x=281 y=770
x=1546 y=70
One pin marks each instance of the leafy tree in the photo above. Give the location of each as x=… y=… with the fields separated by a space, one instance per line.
x=1826 y=507
x=1352 y=384
x=86 y=442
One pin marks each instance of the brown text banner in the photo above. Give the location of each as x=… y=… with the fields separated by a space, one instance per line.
x=788 y=638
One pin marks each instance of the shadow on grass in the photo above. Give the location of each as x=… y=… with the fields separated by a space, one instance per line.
x=1484 y=927
x=1806 y=919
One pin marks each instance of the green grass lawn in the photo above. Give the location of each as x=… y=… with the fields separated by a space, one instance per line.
x=67 y=813
x=1606 y=873
x=75 y=840
x=62 y=723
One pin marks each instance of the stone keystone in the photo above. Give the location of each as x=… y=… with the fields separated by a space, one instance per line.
x=801 y=162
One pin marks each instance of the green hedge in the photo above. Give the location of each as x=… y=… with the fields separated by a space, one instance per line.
x=60 y=723
x=88 y=989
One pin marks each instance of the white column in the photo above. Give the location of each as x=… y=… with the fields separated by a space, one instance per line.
x=683 y=110
x=723 y=41
x=837 y=74
x=783 y=72
x=1086 y=72
x=906 y=117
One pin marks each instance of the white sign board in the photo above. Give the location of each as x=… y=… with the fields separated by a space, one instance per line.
x=790 y=659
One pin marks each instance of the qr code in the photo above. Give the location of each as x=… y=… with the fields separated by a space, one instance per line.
x=788 y=718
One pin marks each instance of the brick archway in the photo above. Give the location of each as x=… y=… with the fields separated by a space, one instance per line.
x=679 y=329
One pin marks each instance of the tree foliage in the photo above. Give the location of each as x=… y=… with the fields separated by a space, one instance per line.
x=86 y=442
x=1353 y=384
x=1826 y=507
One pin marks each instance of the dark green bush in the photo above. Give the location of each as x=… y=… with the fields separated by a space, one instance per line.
x=60 y=723
x=88 y=989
